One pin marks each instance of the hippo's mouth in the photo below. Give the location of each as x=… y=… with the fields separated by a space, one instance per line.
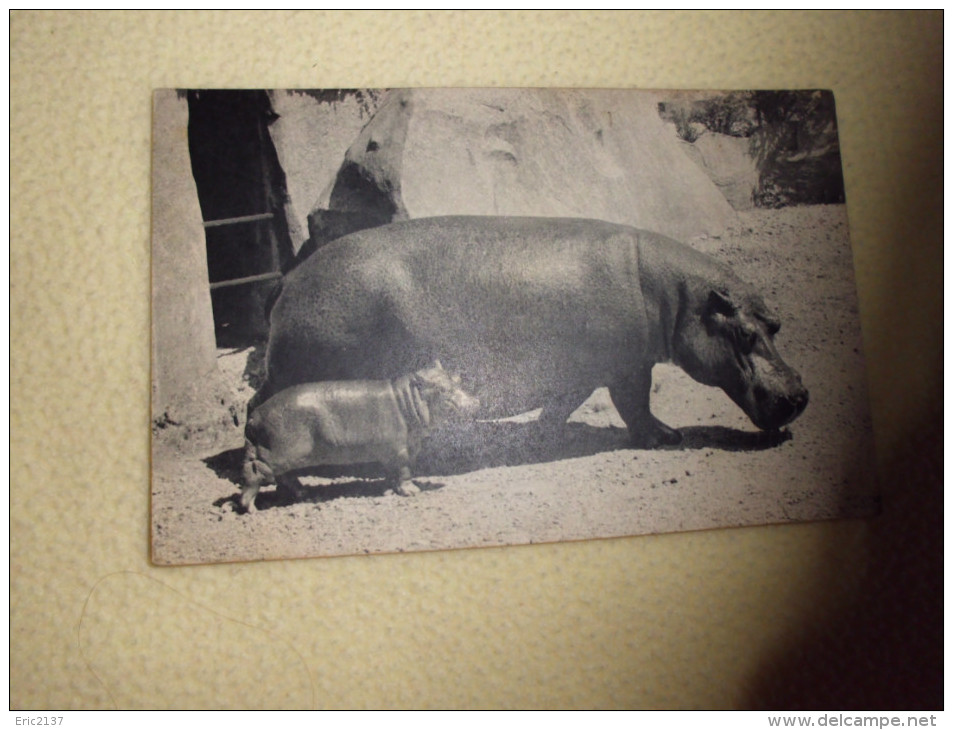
x=770 y=411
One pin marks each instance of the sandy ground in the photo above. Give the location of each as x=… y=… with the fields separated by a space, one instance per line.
x=499 y=484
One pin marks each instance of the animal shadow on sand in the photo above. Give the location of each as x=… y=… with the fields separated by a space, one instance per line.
x=481 y=445
x=729 y=439
x=368 y=481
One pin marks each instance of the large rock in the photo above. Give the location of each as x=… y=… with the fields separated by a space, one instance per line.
x=311 y=134
x=540 y=152
x=727 y=162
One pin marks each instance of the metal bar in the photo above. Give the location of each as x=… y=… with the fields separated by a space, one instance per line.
x=245 y=280
x=239 y=219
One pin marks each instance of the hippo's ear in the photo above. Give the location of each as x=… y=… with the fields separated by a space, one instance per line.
x=719 y=302
x=719 y=311
x=436 y=364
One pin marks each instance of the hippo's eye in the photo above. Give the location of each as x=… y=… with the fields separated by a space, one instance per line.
x=747 y=339
x=770 y=323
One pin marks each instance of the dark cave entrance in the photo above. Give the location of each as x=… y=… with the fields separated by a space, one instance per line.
x=242 y=193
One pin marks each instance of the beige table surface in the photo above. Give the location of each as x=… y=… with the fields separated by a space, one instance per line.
x=837 y=615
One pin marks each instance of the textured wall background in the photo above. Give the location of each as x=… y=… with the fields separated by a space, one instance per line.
x=822 y=615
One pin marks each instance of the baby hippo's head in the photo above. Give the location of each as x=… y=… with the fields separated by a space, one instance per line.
x=444 y=395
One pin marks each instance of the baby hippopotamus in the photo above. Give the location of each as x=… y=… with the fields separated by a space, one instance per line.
x=348 y=422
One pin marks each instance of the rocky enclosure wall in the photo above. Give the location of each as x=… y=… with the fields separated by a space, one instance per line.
x=540 y=152
x=763 y=149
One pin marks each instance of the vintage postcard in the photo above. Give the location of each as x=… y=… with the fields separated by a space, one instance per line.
x=391 y=320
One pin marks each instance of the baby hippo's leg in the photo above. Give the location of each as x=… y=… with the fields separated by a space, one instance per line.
x=255 y=472
x=405 y=487
x=401 y=475
x=289 y=489
x=248 y=497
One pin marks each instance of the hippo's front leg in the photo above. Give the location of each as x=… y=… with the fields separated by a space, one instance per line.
x=631 y=399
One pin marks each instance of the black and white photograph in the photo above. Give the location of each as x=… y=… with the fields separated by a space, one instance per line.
x=398 y=320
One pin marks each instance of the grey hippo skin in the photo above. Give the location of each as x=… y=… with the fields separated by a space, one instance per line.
x=533 y=312
x=348 y=422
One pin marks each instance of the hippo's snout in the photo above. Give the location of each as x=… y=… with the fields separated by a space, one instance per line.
x=775 y=409
x=465 y=405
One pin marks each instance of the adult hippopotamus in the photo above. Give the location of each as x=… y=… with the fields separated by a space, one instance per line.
x=534 y=312
x=348 y=422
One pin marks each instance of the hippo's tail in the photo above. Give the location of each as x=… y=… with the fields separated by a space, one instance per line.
x=255 y=470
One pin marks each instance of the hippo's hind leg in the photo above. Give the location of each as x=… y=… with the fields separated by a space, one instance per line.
x=551 y=422
x=259 y=397
x=557 y=411
x=631 y=399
